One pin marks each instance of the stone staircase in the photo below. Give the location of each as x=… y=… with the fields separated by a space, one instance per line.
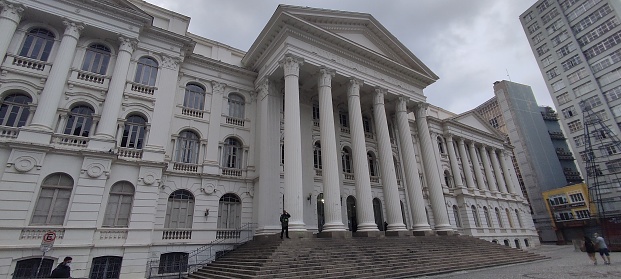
x=384 y=257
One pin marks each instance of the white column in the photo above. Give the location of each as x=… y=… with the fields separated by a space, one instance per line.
x=364 y=203
x=453 y=160
x=476 y=166
x=465 y=165
x=387 y=166
x=415 y=190
x=329 y=155
x=293 y=144
x=436 y=194
x=57 y=79
x=498 y=172
x=114 y=98
x=507 y=172
x=9 y=19
x=488 y=169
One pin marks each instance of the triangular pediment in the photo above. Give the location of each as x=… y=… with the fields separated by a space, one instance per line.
x=473 y=120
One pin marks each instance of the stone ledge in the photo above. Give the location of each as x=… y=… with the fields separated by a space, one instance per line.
x=368 y=234
x=337 y=234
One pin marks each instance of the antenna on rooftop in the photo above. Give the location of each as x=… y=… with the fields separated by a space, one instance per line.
x=508 y=76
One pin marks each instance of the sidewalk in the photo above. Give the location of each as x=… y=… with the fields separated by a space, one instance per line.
x=564 y=263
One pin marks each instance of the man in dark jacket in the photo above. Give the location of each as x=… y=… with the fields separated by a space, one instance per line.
x=63 y=270
x=284 y=222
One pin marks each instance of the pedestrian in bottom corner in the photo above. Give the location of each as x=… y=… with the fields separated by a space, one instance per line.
x=63 y=270
x=284 y=222
x=602 y=247
x=589 y=248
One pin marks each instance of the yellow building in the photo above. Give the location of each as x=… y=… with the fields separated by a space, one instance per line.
x=571 y=210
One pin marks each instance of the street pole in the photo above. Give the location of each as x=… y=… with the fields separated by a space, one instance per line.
x=40 y=263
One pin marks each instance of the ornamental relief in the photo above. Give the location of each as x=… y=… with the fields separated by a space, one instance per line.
x=25 y=161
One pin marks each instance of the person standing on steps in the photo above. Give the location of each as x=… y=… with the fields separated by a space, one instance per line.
x=600 y=244
x=589 y=248
x=284 y=222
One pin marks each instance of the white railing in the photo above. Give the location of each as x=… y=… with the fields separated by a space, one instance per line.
x=345 y=130
x=113 y=234
x=185 y=167
x=8 y=132
x=90 y=77
x=70 y=140
x=235 y=121
x=228 y=233
x=132 y=153
x=375 y=179
x=368 y=135
x=37 y=233
x=30 y=63
x=349 y=176
x=177 y=234
x=192 y=112
x=141 y=88
x=318 y=172
x=231 y=172
x=392 y=141
x=315 y=123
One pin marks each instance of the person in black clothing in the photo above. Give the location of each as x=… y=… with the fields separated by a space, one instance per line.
x=284 y=222
x=589 y=248
x=63 y=270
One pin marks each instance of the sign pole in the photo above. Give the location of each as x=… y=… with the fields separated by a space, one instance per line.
x=40 y=263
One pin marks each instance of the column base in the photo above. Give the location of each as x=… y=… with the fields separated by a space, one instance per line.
x=335 y=234
x=33 y=135
x=397 y=233
x=423 y=233
x=368 y=234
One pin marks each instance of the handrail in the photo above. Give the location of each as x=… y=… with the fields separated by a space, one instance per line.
x=199 y=254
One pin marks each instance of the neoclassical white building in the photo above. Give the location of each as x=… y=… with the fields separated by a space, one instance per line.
x=135 y=140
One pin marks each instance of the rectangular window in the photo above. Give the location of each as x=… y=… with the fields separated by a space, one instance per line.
x=554 y=27
x=599 y=31
x=547 y=61
x=600 y=115
x=566 y=49
x=593 y=102
x=571 y=62
x=577 y=75
x=552 y=73
x=604 y=45
x=614 y=166
x=616 y=110
x=610 y=77
x=528 y=17
x=549 y=16
x=578 y=11
x=559 y=38
x=613 y=94
x=576 y=197
x=538 y=38
x=543 y=49
x=579 y=140
x=569 y=112
x=533 y=27
x=609 y=149
x=591 y=19
x=567 y=4
x=543 y=6
x=603 y=63
x=563 y=216
x=584 y=89
x=558 y=200
x=563 y=98
x=558 y=85
x=583 y=214
x=574 y=126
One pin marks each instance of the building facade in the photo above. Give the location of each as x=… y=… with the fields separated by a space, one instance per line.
x=576 y=45
x=543 y=160
x=570 y=208
x=136 y=141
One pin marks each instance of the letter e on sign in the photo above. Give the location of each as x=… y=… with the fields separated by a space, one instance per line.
x=48 y=238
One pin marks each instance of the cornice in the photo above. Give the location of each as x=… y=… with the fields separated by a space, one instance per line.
x=199 y=60
x=187 y=44
x=469 y=129
x=128 y=14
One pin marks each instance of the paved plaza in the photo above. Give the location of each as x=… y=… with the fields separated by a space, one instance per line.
x=564 y=263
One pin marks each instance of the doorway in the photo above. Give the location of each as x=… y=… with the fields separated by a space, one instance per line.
x=377 y=213
x=321 y=219
x=352 y=220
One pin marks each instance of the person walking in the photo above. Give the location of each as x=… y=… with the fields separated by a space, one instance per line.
x=600 y=244
x=589 y=248
x=284 y=222
x=63 y=270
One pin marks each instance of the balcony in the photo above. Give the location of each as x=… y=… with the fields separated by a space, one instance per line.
x=90 y=79
x=228 y=234
x=29 y=65
x=549 y=115
x=374 y=179
x=231 y=172
x=235 y=121
x=37 y=233
x=349 y=176
x=7 y=132
x=318 y=172
x=177 y=234
x=141 y=88
x=556 y=135
x=316 y=123
x=564 y=155
x=129 y=153
x=112 y=234
x=345 y=130
x=70 y=140
x=185 y=167
x=368 y=135
x=192 y=112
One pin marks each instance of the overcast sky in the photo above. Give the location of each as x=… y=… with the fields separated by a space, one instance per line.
x=469 y=44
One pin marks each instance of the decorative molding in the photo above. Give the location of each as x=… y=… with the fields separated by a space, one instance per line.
x=73 y=28
x=169 y=62
x=291 y=65
x=95 y=170
x=11 y=11
x=325 y=77
x=353 y=87
x=127 y=44
x=218 y=87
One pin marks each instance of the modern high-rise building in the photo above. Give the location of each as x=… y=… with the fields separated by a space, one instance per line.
x=577 y=45
x=541 y=157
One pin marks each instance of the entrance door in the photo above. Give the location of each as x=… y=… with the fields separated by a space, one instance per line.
x=321 y=219
x=377 y=213
x=352 y=220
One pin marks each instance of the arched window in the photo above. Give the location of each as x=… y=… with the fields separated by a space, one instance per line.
x=14 y=110
x=488 y=218
x=236 y=106
x=377 y=213
x=38 y=44
x=229 y=212
x=526 y=242
x=96 y=59
x=506 y=241
x=80 y=121
x=509 y=217
x=107 y=267
x=187 y=148
x=146 y=71
x=498 y=216
x=26 y=269
x=372 y=164
x=119 y=205
x=475 y=215
x=344 y=119
x=440 y=145
x=447 y=179
x=405 y=222
x=180 y=210
x=366 y=125
x=317 y=155
x=456 y=215
x=315 y=111
x=346 y=160
x=194 y=97
x=53 y=200
x=174 y=262
x=517 y=215
x=232 y=154
x=133 y=132
x=517 y=243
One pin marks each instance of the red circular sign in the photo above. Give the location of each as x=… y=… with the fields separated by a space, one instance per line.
x=49 y=237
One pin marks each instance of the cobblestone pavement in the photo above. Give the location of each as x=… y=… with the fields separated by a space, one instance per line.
x=564 y=263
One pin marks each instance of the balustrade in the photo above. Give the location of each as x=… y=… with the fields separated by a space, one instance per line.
x=37 y=233
x=187 y=167
x=349 y=176
x=89 y=77
x=113 y=234
x=70 y=140
x=192 y=112
x=235 y=121
x=375 y=179
x=141 y=88
x=132 y=153
x=345 y=130
x=30 y=63
x=8 y=132
x=231 y=172
x=228 y=233
x=177 y=234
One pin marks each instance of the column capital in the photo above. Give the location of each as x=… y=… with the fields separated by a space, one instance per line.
x=378 y=97
x=448 y=137
x=325 y=77
x=218 y=87
x=11 y=11
x=353 y=87
x=402 y=104
x=73 y=28
x=127 y=44
x=263 y=88
x=170 y=62
x=420 y=109
x=291 y=65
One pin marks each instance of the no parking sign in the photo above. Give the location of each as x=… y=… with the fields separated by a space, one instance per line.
x=48 y=241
